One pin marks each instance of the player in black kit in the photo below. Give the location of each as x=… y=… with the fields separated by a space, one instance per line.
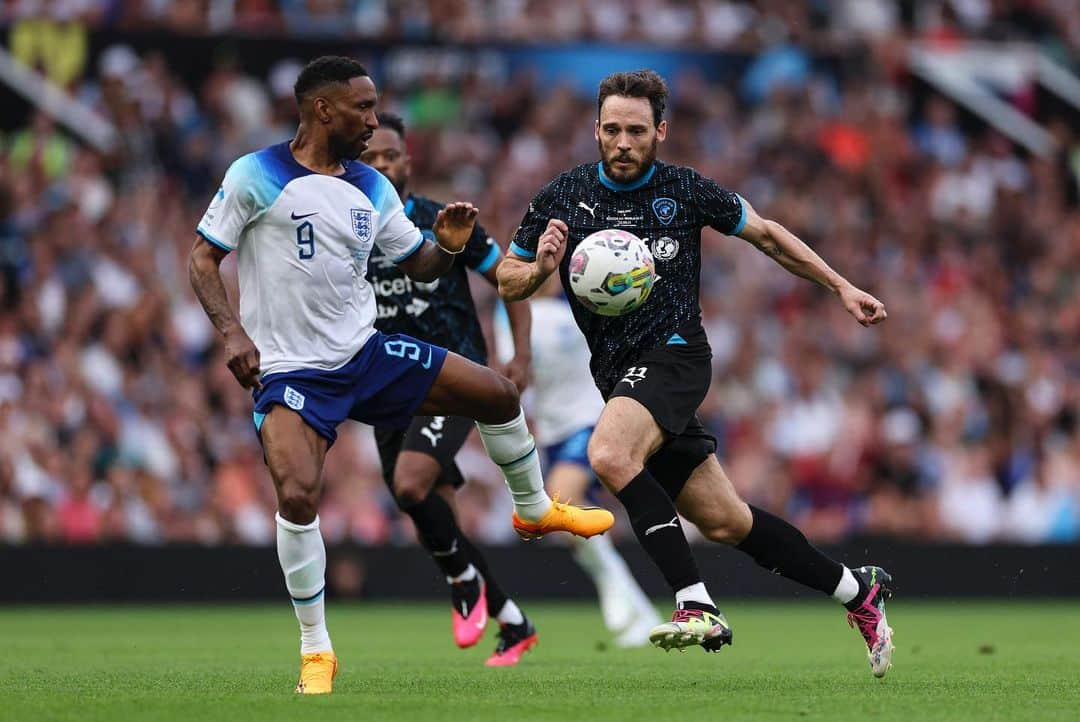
x=653 y=365
x=418 y=463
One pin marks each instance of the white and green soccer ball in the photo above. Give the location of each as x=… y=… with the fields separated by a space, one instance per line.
x=612 y=272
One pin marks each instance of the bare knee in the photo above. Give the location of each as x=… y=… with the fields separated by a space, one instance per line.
x=613 y=463
x=294 y=454
x=505 y=402
x=413 y=478
x=298 y=499
x=409 y=493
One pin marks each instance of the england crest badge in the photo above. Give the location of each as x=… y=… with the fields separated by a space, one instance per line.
x=361 y=224
x=294 y=399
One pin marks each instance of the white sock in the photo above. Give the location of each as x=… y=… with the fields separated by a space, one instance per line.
x=303 y=559
x=511 y=446
x=510 y=614
x=604 y=565
x=597 y=556
x=847 y=589
x=694 y=593
x=466 y=576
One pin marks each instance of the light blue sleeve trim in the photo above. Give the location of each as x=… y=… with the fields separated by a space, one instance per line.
x=519 y=251
x=213 y=240
x=258 y=419
x=416 y=247
x=742 y=218
x=489 y=260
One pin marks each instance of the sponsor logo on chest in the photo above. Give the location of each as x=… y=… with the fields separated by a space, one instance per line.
x=625 y=218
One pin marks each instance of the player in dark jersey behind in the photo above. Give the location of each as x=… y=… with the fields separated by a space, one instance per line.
x=418 y=462
x=653 y=365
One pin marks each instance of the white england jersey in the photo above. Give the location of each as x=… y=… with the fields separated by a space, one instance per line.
x=303 y=241
x=562 y=397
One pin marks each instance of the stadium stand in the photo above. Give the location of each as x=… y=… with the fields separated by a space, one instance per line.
x=956 y=421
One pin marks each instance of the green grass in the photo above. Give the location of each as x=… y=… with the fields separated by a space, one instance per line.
x=793 y=661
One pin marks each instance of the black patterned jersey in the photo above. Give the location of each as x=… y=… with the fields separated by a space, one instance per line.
x=667 y=208
x=442 y=311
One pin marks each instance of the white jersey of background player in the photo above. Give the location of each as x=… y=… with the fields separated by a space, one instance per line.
x=563 y=404
x=562 y=398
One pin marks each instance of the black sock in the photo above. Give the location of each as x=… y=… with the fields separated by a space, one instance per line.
x=496 y=597
x=781 y=548
x=439 y=534
x=656 y=524
x=860 y=597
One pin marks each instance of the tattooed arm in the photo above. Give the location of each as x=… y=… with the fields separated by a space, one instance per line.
x=789 y=251
x=204 y=271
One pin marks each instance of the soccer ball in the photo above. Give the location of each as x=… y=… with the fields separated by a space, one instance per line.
x=612 y=272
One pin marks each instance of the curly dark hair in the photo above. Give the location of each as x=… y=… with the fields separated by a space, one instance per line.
x=392 y=121
x=636 y=84
x=325 y=70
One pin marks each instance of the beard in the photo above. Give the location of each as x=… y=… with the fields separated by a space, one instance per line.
x=348 y=149
x=647 y=159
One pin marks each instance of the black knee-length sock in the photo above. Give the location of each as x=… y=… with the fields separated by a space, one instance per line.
x=656 y=524
x=439 y=534
x=781 y=548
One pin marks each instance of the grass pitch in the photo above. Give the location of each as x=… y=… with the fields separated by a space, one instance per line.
x=790 y=661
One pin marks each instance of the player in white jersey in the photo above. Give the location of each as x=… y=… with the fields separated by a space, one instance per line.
x=303 y=217
x=564 y=405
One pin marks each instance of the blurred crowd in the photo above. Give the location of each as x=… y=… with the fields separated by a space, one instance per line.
x=743 y=24
x=955 y=420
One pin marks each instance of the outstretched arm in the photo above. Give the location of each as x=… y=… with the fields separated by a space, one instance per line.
x=204 y=270
x=519 y=278
x=785 y=248
x=452 y=228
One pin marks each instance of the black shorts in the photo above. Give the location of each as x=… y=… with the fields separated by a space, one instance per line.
x=440 y=437
x=671 y=382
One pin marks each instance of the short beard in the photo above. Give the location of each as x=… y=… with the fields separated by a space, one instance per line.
x=342 y=150
x=646 y=162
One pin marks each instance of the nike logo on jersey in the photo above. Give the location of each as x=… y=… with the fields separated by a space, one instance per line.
x=305 y=215
x=674 y=524
x=427 y=362
x=592 y=211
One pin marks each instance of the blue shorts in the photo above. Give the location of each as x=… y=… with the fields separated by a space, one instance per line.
x=383 y=384
x=571 y=450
